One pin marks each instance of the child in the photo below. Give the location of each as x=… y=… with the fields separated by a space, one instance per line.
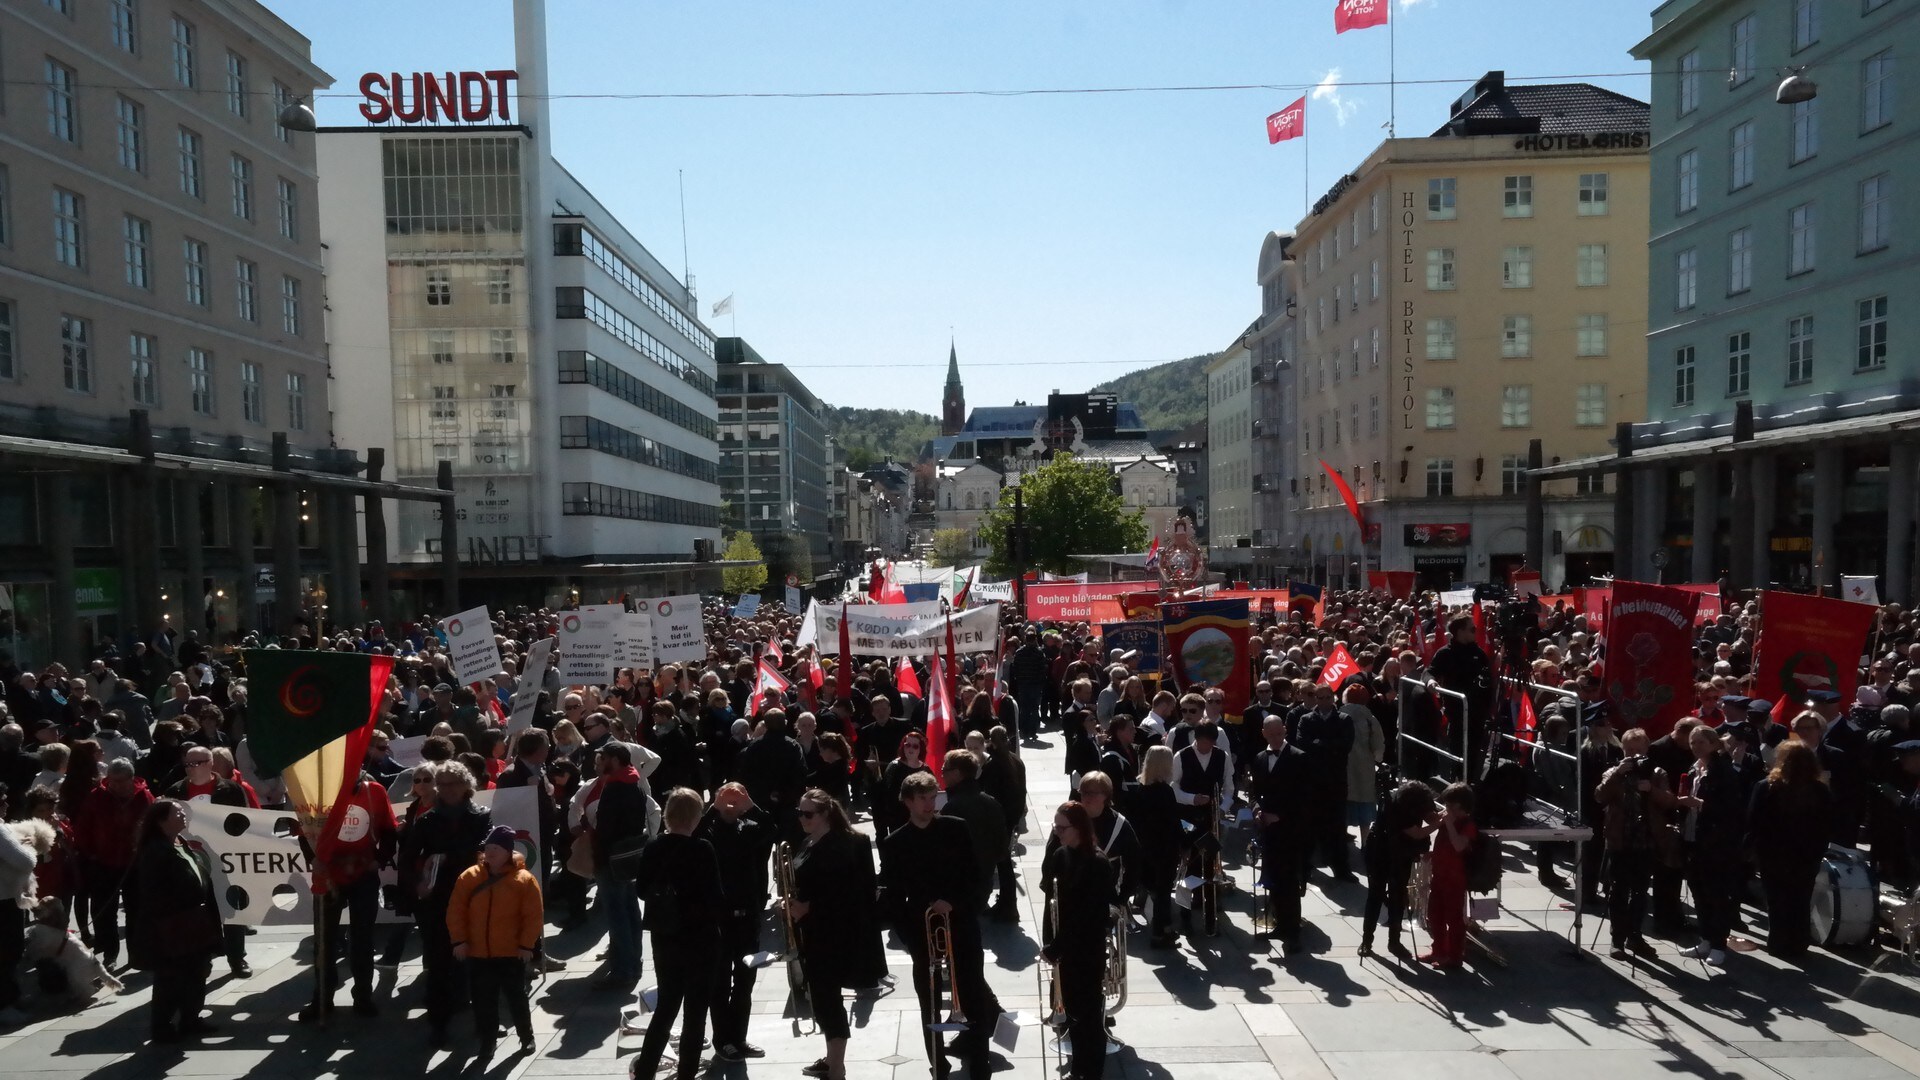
x=494 y=921
x=1447 y=902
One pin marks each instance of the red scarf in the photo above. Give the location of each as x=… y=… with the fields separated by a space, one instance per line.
x=625 y=775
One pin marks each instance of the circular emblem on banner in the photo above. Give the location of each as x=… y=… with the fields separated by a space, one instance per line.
x=571 y=624
x=665 y=608
x=1207 y=657
x=1805 y=671
x=355 y=824
x=455 y=628
x=305 y=692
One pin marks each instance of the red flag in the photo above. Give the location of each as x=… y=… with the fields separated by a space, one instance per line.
x=1808 y=643
x=1358 y=14
x=940 y=725
x=1153 y=554
x=773 y=650
x=843 y=670
x=768 y=682
x=1649 y=667
x=883 y=587
x=906 y=680
x=1339 y=665
x=1479 y=623
x=1526 y=725
x=1346 y=493
x=1288 y=123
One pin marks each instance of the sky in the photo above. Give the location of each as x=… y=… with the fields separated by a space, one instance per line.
x=1060 y=239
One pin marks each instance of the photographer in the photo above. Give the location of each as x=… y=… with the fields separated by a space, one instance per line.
x=1463 y=667
x=1638 y=798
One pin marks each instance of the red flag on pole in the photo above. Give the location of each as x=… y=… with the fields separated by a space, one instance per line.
x=1526 y=725
x=1288 y=123
x=843 y=671
x=768 y=682
x=906 y=680
x=1339 y=665
x=1346 y=494
x=1358 y=14
x=940 y=722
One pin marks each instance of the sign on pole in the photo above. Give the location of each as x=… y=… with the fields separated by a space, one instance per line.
x=636 y=641
x=588 y=642
x=794 y=603
x=475 y=653
x=679 y=634
x=527 y=694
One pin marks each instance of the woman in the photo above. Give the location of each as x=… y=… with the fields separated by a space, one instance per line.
x=1714 y=825
x=1079 y=883
x=1119 y=756
x=1154 y=813
x=1363 y=760
x=833 y=907
x=432 y=855
x=57 y=875
x=1396 y=841
x=678 y=874
x=567 y=742
x=1133 y=699
x=84 y=772
x=1600 y=751
x=1005 y=778
x=1112 y=834
x=888 y=813
x=16 y=882
x=1083 y=744
x=420 y=794
x=830 y=774
x=494 y=918
x=53 y=766
x=1787 y=825
x=173 y=927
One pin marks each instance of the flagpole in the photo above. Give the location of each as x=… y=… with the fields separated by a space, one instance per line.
x=1393 y=78
x=1306 y=165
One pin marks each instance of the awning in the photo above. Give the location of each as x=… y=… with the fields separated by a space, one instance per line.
x=1781 y=438
x=114 y=457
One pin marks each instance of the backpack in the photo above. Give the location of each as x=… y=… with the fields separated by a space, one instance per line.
x=1482 y=859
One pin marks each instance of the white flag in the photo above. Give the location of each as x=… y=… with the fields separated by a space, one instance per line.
x=722 y=306
x=1864 y=589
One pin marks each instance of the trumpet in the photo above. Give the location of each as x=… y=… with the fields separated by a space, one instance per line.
x=939 y=929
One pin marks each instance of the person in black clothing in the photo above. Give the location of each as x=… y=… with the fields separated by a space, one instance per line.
x=202 y=783
x=1028 y=675
x=1325 y=735
x=437 y=848
x=1462 y=666
x=1155 y=814
x=173 y=924
x=1079 y=883
x=833 y=907
x=986 y=821
x=679 y=875
x=880 y=740
x=1397 y=840
x=679 y=754
x=1120 y=756
x=620 y=806
x=1789 y=823
x=1714 y=804
x=889 y=813
x=773 y=769
x=742 y=836
x=1083 y=744
x=1004 y=777
x=1282 y=777
x=927 y=865
x=829 y=772
x=1673 y=754
x=529 y=769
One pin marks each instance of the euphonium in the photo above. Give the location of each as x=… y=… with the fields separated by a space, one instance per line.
x=940 y=963
x=1113 y=985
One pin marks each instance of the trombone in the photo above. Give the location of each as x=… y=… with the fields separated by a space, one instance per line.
x=796 y=967
x=1210 y=868
x=1262 y=911
x=939 y=929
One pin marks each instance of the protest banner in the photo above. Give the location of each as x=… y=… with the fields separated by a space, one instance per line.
x=1649 y=669
x=1207 y=646
x=812 y=628
x=1071 y=601
x=794 y=603
x=1808 y=643
x=470 y=641
x=679 y=632
x=746 y=605
x=527 y=694
x=634 y=641
x=589 y=643
x=1340 y=664
x=974 y=630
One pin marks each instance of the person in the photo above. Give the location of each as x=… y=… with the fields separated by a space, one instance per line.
x=888 y=809
x=173 y=925
x=616 y=817
x=1112 y=833
x=1788 y=824
x=1083 y=744
x=1155 y=813
x=1004 y=776
x=742 y=835
x=1599 y=752
x=1278 y=788
x=679 y=875
x=1120 y=755
x=201 y=784
x=1326 y=735
x=1463 y=667
x=17 y=863
x=1637 y=796
x=986 y=822
x=1203 y=785
x=773 y=768
x=1395 y=843
x=494 y=919
x=1363 y=761
x=104 y=831
x=1447 y=901
x=1079 y=883
x=420 y=782
x=1028 y=675
x=529 y=770
x=832 y=906
x=1712 y=832
x=927 y=869
x=350 y=875
x=437 y=850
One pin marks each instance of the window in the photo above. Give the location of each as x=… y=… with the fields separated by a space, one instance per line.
x=1373 y=342
x=1590 y=484
x=1440 y=274
x=1739 y=363
x=9 y=349
x=1516 y=268
x=1337 y=305
x=137 y=240
x=1876 y=91
x=200 y=380
x=1439 y=408
x=1800 y=349
x=1739 y=261
x=1876 y=212
x=125 y=19
x=1373 y=271
x=290 y=306
x=1683 y=375
x=63 y=113
x=1687 y=93
x=242 y=188
x=1686 y=284
x=1373 y=414
x=439 y=287
x=499 y=285
x=1806 y=23
x=1740 y=156
x=250 y=405
x=1516 y=406
x=69 y=229
x=1806 y=130
x=296 y=401
x=502 y=346
x=130 y=129
x=190 y=174
x=183 y=63
x=1517 y=198
x=6 y=207
x=1872 y=342
x=1590 y=335
x=1593 y=195
x=1590 y=265
x=1439 y=477
x=440 y=346
x=246 y=290
x=236 y=84
x=446 y=451
x=1516 y=336
x=1440 y=339
x=501 y=395
x=76 y=354
x=1590 y=404
x=1687 y=182
x=288 y=200
x=443 y=407
x=145 y=387
x=194 y=253
x=1513 y=474
x=1743 y=60
x=1440 y=199
x=1353 y=293
x=282 y=97
x=1800 y=239
x=1373 y=214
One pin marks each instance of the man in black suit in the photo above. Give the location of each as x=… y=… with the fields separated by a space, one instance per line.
x=1282 y=776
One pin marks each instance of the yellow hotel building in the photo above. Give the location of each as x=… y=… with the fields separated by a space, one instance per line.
x=1456 y=298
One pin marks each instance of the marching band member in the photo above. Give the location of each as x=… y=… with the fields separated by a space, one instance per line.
x=742 y=836
x=1156 y=816
x=1278 y=788
x=1080 y=882
x=839 y=931
x=1394 y=844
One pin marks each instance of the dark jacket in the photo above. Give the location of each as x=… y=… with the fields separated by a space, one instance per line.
x=1004 y=777
x=225 y=793
x=840 y=939
x=172 y=919
x=622 y=816
x=1788 y=826
x=773 y=770
x=1279 y=785
x=1081 y=883
x=742 y=847
x=521 y=774
x=986 y=824
x=679 y=878
x=454 y=836
x=921 y=865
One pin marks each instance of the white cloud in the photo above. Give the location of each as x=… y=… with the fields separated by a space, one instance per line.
x=1405 y=4
x=1328 y=93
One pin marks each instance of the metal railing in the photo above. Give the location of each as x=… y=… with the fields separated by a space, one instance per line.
x=1572 y=813
x=1407 y=688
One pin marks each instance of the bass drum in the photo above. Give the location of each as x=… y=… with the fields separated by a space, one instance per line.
x=1843 y=900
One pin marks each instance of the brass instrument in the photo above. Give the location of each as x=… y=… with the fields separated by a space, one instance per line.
x=1113 y=984
x=1057 y=1010
x=796 y=967
x=1262 y=911
x=1419 y=887
x=1210 y=868
x=939 y=930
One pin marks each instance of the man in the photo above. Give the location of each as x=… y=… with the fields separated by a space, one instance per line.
x=1672 y=754
x=1193 y=712
x=773 y=769
x=1325 y=735
x=131 y=703
x=927 y=866
x=1282 y=775
x=620 y=815
x=1029 y=679
x=1637 y=796
x=1463 y=667
x=350 y=876
x=1203 y=786
x=742 y=836
x=104 y=833
x=986 y=819
x=17 y=767
x=529 y=770
x=380 y=763
x=1162 y=716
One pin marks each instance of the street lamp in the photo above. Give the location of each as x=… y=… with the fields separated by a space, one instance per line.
x=1796 y=88
x=297 y=115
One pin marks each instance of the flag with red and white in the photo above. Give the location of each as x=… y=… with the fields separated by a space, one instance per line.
x=1153 y=554
x=768 y=683
x=1359 y=14
x=1340 y=664
x=1526 y=724
x=906 y=680
x=1288 y=123
x=940 y=719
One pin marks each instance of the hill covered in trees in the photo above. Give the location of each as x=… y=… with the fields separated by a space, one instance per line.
x=1169 y=395
x=874 y=435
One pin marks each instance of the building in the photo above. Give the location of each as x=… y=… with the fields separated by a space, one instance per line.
x=1276 y=530
x=1186 y=450
x=890 y=485
x=1780 y=440
x=1461 y=296
x=852 y=522
x=495 y=316
x=1230 y=476
x=953 y=403
x=964 y=493
x=166 y=421
x=773 y=461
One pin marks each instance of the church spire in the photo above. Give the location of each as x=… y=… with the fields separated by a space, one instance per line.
x=953 y=363
x=953 y=405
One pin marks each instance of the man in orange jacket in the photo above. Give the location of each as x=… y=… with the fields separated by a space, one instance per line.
x=494 y=923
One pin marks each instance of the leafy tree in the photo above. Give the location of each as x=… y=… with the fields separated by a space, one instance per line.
x=1071 y=508
x=743 y=579
x=951 y=547
x=1169 y=395
x=871 y=436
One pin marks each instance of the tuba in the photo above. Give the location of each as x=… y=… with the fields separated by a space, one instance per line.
x=1113 y=983
x=940 y=967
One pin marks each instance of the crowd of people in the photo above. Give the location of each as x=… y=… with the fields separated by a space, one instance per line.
x=674 y=803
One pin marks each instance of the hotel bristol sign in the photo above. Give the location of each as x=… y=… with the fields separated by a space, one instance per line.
x=429 y=97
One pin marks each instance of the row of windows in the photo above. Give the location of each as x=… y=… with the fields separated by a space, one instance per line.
x=1873 y=218
x=1439 y=477
x=1516 y=336
x=440 y=279
x=585 y=367
x=574 y=302
x=605 y=500
x=1516 y=267
x=571 y=239
x=1869 y=352
x=502 y=404
x=593 y=433
x=1742 y=40
x=1442 y=413
x=1805 y=141
x=1516 y=197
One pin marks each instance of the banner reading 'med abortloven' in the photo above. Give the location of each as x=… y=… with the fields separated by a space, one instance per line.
x=974 y=630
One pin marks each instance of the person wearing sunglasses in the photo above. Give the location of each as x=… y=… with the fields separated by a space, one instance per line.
x=832 y=906
x=1079 y=882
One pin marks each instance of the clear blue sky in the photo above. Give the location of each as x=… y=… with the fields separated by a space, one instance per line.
x=1064 y=239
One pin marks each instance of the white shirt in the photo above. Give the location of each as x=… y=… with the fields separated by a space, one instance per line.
x=1205 y=760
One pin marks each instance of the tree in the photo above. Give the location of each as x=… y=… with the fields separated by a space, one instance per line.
x=743 y=579
x=951 y=547
x=1071 y=509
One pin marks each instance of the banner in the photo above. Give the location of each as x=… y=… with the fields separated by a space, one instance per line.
x=679 y=634
x=1077 y=601
x=812 y=629
x=633 y=641
x=470 y=641
x=1340 y=664
x=1288 y=123
x=1395 y=583
x=1709 y=608
x=1525 y=582
x=1593 y=604
x=1650 y=659
x=527 y=694
x=590 y=643
x=1302 y=596
x=1861 y=589
x=746 y=605
x=1359 y=14
x=974 y=630
x=991 y=592
x=1808 y=643
x=1207 y=646
x=1142 y=638
x=1141 y=605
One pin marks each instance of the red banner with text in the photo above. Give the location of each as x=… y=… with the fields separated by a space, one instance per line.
x=1808 y=643
x=1650 y=655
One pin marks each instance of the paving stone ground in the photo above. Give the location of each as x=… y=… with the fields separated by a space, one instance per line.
x=1223 y=1008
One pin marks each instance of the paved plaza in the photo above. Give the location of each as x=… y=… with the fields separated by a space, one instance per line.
x=1230 y=1010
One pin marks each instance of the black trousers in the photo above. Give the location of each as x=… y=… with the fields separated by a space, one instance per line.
x=1386 y=890
x=829 y=1007
x=1280 y=866
x=1714 y=875
x=443 y=972
x=1009 y=884
x=1081 y=996
x=733 y=987
x=106 y=886
x=179 y=993
x=490 y=979
x=1666 y=895
x=1160 y=871
x=977 y=1000
x=13 y=941
x=361 y=903
x=1629 y=876
x=685 y=964
x=1789 y=908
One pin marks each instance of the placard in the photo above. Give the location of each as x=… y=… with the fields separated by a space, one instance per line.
x=470 y=641
x=679 y=634
x=636 y=641
x=1142 y=638
x=746 y=605
x=589 y=643
x=974 y=630
x=794 y=602
x=812 y=627
x=532 y=676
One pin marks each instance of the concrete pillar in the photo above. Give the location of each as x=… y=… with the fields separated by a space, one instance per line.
x=190 y=534
x=246 y=570
x=285 y=493
x=1536 y=512
x=1706 y=520
x=1623 y=503
x=379 y=586
x=1740 y=523
x=1901 y=549
x=1649 y=520
x=449 y=543
x=343 y=551
x=1765 y=513
x=56 y=532
x=1826 y=514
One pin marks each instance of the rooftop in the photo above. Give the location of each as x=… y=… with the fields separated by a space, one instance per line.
x=1492 y=107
